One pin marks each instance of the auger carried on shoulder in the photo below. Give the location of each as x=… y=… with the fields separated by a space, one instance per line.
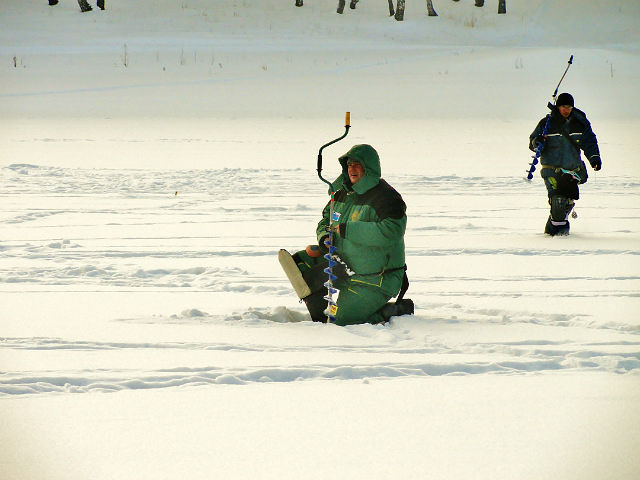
x=540 y=147
x=331 y=254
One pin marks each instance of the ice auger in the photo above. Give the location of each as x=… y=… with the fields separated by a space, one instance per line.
x=331 y=254
x=545 y=130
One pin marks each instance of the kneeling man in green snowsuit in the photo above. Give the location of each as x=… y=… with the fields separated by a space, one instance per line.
x=368 y=233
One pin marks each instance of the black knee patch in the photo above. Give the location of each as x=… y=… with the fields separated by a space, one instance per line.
x=560 y=208
x=317 y=304
x=315 y=277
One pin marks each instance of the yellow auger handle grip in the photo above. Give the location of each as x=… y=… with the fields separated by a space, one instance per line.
x=347 y=119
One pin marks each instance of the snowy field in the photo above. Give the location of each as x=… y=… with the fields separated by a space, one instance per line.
x=156 y=155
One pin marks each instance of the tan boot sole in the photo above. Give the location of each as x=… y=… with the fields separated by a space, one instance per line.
x=293 y=274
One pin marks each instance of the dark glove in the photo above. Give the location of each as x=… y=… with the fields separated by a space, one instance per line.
x=536 y=141
x=337 y=229
x=596 y=162
x=322 y=245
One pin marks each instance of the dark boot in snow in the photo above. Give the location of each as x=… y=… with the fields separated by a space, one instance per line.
x=352 y=5
x=558 y=222
x=403 y=307
x=100 y=4
x=53 y=2
x=84 y=6
x=556 y=228
x=299 y=3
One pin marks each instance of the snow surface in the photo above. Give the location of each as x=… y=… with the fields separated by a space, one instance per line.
x=156 y=155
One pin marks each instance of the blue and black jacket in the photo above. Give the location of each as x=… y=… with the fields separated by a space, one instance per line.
x=565 y=139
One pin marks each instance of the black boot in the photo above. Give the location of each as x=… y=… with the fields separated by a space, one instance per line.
x=53 y=2
x=558 y=222
x=100 y=4
x=553 y=230
x=403 y=307
x=84 y=6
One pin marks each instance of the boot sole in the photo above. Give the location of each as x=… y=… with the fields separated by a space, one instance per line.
x=293 y=274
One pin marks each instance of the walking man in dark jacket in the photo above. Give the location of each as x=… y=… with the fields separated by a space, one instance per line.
x=562 y=168
x=369 y=238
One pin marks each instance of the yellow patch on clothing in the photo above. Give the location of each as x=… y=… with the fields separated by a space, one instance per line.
x=355 y=215
x=333 y=309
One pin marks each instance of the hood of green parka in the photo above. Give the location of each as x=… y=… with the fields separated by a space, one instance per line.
x=369 y=159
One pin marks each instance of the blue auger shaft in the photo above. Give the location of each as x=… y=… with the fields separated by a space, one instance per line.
x=545 y=130
x=331 y=262
x=331 y=305
x=539 y=148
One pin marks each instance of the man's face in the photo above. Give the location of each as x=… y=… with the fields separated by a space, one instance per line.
x=565 y=110
x=355 y=171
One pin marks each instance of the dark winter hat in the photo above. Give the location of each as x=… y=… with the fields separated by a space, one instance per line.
x=564 y=99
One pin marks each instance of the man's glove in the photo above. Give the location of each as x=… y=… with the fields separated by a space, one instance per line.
x=596 y=162
x=323 y=246
x=337 y=229
x=537 y=141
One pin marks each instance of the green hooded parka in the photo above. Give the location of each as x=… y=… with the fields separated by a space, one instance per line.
x=372 y=223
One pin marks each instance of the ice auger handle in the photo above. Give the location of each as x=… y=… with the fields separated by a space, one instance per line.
x=569 y=63
x=346 y=131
